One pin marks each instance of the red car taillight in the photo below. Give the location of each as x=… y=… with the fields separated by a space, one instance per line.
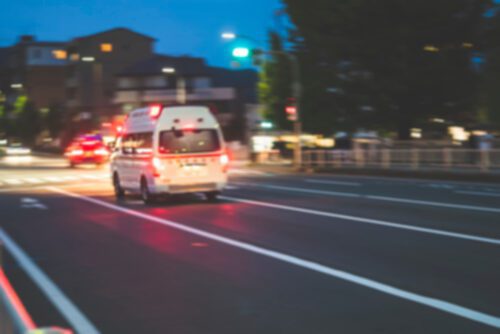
x=101 y=152
x=76 y=152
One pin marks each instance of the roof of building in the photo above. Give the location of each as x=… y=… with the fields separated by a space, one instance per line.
x=183 y=65
x=118 y=29
x=29 y=40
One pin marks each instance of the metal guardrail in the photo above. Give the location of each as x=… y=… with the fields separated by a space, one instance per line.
x=445 y=159
x=14 y=318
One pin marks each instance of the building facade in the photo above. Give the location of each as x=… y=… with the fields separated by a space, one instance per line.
x=97 y=77
x=93 y=64
x=36 y=69
x=188 y=80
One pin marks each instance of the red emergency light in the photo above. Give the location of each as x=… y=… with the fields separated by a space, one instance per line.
x=155 y=111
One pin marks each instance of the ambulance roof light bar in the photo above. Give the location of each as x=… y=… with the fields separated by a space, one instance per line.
x=155 y=111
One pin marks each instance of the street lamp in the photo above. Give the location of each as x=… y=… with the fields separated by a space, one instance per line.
x=296 y=85
x=169 y=70
x=228 y=35
x=181 y=85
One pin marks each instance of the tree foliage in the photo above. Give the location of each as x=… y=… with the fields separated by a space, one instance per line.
x=28 y=123
x=389 y=64
x=275 y=84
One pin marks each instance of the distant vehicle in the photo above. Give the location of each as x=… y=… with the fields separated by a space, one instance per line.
x=87 y=149
x=17 y=149
x=170 y=150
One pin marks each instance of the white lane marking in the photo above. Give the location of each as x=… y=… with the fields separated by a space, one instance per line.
x=368 y=221
x=339 y=183
x=33 y=180
x=13 y=181
x=439 y=186
x=70 y=312
x=379 y=198
x=437 y=204
x=310 y=191
x=28 y=200
x=32 y=203
x=34 y=206
x=477 y=193
x=438 y=304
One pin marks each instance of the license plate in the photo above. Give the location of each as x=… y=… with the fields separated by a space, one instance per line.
x=88 y=154
x=194 y=170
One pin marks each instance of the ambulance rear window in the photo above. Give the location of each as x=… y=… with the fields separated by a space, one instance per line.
x=189 y=141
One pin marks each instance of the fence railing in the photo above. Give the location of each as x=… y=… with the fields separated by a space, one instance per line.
x=445 y=159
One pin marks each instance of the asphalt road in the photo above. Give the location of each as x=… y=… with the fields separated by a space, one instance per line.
x=279 y=253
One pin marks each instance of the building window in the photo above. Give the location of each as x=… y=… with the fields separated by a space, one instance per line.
x=201 y=83
x=59 y=54
x=106 y=47
x=127 y=83
x=36 y=53
x=156 y=82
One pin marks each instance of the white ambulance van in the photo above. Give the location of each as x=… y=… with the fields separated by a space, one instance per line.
x=170 y=150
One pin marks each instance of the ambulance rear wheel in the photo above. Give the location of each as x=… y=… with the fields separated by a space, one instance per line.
x=146 y=195
x=119 y=192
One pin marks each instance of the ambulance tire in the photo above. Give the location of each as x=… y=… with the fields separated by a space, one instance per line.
x=119 y=192
x=146 y=195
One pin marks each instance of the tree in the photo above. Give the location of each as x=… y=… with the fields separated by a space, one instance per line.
x=489 y=67
x=275 y=84
x=28 y=123
x=391 y=63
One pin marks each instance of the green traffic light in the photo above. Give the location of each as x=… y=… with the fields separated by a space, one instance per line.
x=241 y=52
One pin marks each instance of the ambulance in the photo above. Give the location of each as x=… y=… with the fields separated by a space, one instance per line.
x=170 y=150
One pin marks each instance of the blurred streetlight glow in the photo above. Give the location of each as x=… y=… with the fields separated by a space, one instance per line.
x=228 y=35
x=168 y=70
x=88 y=59
x=266 y=125
x=16 y=86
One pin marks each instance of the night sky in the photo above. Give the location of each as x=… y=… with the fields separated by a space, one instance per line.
x=181 y=27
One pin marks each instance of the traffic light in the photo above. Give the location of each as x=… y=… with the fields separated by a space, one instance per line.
x=241 y=52
x=291 y=110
